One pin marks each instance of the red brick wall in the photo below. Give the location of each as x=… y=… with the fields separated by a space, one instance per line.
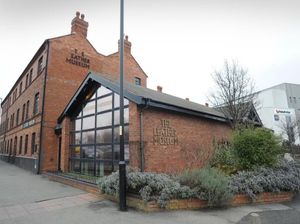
x=195 y=137
x=63 y=79
x=65 y=142
x=132 y=69
x=134 y=135
x=28 y=93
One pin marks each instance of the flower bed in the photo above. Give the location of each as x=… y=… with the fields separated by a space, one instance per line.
x=193 y=204
x=207 y=187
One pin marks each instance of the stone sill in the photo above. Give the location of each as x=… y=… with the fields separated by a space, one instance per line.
x=194 y=204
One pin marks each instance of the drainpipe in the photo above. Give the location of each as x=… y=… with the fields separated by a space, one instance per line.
x=142 y=149
x=142 y=159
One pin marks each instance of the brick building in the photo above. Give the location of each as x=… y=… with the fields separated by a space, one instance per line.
x=61 y=116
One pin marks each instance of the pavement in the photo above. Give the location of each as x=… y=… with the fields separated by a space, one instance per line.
x=26 y=198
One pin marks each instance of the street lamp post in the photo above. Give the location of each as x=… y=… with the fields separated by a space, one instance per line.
x=122 y=164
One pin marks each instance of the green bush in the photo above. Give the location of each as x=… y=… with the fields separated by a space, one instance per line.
x=285 y=177
x=209 y=184
x=150 y=186
x=224 y=159
x=256 y=147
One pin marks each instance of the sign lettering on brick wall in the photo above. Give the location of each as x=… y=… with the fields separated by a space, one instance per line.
x=78 y=59
x=164 y=134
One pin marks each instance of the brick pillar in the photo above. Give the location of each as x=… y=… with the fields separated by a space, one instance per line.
x=65 y=142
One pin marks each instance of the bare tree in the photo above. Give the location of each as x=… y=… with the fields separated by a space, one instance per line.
x=234 y=93
x=290 y=128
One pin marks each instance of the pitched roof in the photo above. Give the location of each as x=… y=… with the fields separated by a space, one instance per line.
x=141 y=96
x=250 y=117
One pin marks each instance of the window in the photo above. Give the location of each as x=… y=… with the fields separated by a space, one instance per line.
x=88 y=137
x=15 y=145
x=104 y=136
x=104 y=119
x=77 y=125
x=104 y=103
x=89 y=108
x=17 y=117
x=33 y=143
x=40 y=65
x=10 y=124
x=276 y=117
x=26 y=144
x=10 y=146
x=88 y=123
x=12 y=120
x=15 y=95
x=295 y=100
x=20 y=145
x=7 y=149
x=27 y=110
x=137 y=81
x=20 y=89
x=30 y=76
x=95 y=134
x=36 y=104
x=7 y=124
x=23 y=112
x=27 y=84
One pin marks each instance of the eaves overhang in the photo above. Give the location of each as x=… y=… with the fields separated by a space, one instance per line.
x=159 y=105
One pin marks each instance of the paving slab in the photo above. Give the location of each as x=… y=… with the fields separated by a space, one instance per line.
x=289 y=216
x=19 y=186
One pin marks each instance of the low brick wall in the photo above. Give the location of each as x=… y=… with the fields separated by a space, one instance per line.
x=91 y=188
x=136 y=202
x=194 y=204
x=264 y=198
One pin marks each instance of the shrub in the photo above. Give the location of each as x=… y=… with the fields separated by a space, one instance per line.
x=150 y=186
x=209 y=183
x=224 y=159
x=256 y=147
x=285 y=177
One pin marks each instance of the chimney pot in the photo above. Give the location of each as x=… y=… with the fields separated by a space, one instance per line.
x=79 y=26
x=159 y=88
x=127 y=45
x=206 y=104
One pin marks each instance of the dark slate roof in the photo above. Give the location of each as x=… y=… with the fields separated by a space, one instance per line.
x=141 y=96
x=251 y=117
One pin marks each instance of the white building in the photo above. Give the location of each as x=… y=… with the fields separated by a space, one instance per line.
x=278 y=106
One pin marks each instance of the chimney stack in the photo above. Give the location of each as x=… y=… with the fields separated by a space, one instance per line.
x=188 y=99
x=159 y=88
x=127 y=45
x=206 y=104
x=79 y=26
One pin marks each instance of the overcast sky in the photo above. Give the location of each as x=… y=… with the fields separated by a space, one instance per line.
x=177 y=43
